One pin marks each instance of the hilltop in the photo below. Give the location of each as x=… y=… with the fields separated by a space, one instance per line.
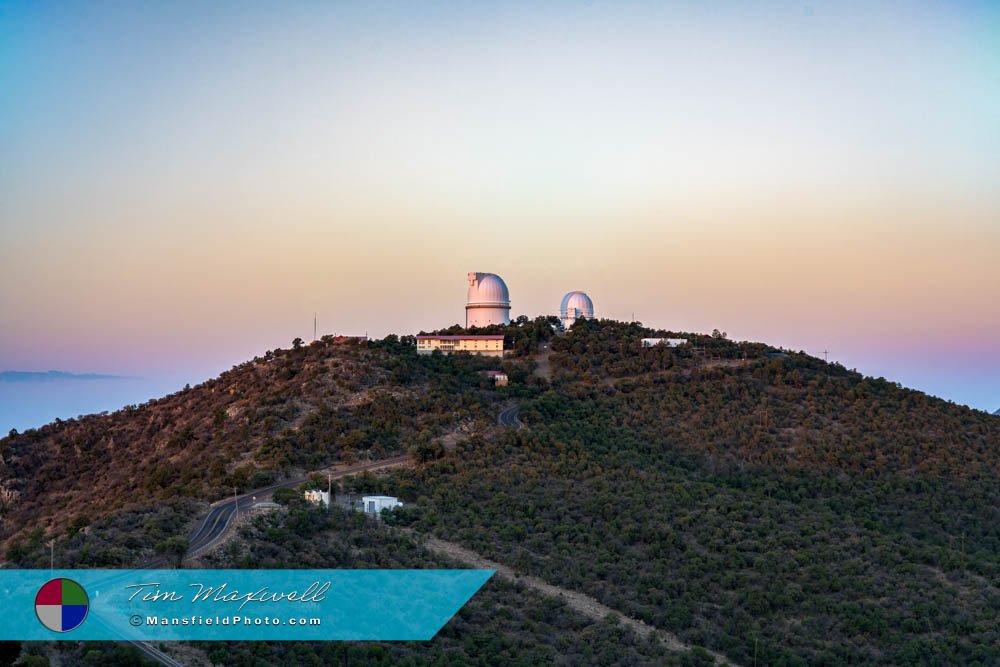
x=285 y=412
x=756 y=502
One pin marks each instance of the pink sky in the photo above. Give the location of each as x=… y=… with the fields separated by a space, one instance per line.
x=178 y=195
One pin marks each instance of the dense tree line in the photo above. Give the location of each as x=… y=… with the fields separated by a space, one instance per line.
x=778 y=506
x=812 y=567
x=135 y=534
x=504 y=623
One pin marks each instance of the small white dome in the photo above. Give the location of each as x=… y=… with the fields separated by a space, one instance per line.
x=574 y=305
x=487 y=289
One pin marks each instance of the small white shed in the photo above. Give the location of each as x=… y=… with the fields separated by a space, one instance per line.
x=375 y=504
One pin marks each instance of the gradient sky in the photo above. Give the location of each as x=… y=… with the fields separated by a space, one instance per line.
x=182 y=185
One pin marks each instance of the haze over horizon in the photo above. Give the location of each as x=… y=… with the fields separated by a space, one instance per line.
x=183 y=186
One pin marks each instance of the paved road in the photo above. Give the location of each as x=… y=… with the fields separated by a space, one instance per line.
x=221 y=513
x=508 y=417
x=147 y=649
x=153 y=653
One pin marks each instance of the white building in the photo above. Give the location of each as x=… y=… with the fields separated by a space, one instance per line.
x=488 y=300
x=375 y=504
x=575 y=305
x=318 y=498
x=499 y=378
x=669 y=342
x=490 y=346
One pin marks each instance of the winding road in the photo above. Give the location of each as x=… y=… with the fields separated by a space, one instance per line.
x=220 y=514
x=509 y=417
x=213 y=528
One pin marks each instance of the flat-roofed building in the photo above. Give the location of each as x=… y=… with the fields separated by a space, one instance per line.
x=375 y=504
x=490 y=346
x=318 y=498
x=499 y=378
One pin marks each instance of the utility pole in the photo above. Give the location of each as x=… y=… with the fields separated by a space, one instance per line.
x=314 y=326
x=825 y=357
x=329 y=491
x=237 y=501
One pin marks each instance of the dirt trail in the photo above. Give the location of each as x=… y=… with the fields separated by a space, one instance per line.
x=579 y=602
x=726 y=363
x=544 y=367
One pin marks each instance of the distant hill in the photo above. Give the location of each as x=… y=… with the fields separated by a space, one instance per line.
x=53 y=376
x=770 y=507
x=997 y=412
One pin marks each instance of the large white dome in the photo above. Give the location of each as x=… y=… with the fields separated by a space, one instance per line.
x=488 y=300
x=575 y=305
x=487 y=289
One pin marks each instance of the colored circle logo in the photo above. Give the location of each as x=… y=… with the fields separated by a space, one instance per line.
x=61 y=605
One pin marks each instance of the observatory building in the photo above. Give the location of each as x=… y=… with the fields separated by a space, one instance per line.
x=490 y=346
x=488 y=302
x=575 y=305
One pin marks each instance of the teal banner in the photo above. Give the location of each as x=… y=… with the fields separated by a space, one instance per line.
x=232 y=604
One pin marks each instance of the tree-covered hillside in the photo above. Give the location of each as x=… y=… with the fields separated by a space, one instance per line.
x=756 y=502
x=753 y=502
x=287 y=412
